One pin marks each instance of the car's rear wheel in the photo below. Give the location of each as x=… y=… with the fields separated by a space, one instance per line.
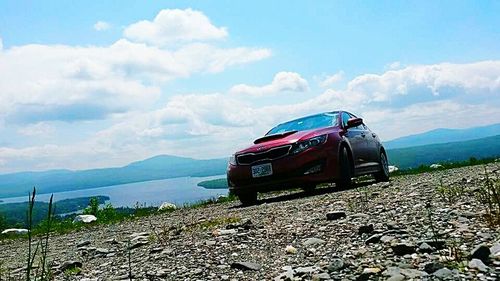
x=345 y=179
x=383 y=174
x=247 y=198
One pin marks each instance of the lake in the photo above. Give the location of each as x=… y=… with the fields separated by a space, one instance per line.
x=179 y=191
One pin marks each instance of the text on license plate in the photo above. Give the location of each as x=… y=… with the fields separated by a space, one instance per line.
x=262 y=170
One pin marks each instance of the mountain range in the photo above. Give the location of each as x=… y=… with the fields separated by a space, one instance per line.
x=155 y=168
x=444 y=136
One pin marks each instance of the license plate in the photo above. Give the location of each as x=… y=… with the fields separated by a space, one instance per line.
x=262 y=170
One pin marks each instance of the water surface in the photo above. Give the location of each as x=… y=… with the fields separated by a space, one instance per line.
x=179 y=191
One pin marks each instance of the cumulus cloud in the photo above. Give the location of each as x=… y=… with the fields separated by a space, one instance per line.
x=174 y=26
x=332 y=79
x=282 y=82
x=101 y=26
x=60 y=82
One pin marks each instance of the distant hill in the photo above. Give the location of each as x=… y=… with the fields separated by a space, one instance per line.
x=155 y=168
x=444 y=136
x=410 y=157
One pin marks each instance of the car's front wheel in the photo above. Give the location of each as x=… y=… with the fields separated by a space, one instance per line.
x=345 y=179
x=247 y=198
x=383 y=174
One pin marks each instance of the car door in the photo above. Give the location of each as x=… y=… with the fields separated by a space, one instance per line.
x=372 y=146
x=356 y=138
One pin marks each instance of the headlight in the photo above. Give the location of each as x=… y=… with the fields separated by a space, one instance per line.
x=303 y=145
x=232 y=160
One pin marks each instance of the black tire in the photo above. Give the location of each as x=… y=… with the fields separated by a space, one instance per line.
x=309 y=188
x=345 y=179
x=247 y=198
x=383 y=174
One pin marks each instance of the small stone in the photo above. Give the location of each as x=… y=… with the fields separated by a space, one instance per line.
x=396 y=277
x=306 y=270
x=433 y=267
x=68 y=265
x=373 y=239
x=425 y=248
x=221 y=232
x=443 y=273
x=335 y=215
x=321 y=276
x=197 y=271
x=365 y=229
x=137 y=244
x=290 y=249
x=481 y=252
x=495 y=249
x=371 y=270
x=387 y=238
x=478 y=264
x=246 y=265
x=312 y=241
x=210 y=243
x=83 y=243
x=403 y=249
x=84 y=218
x=166 y=206
x=336 y=265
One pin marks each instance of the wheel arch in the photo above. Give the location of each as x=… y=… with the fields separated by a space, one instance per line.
x=343 y=143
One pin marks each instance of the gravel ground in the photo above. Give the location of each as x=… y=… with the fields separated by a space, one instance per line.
x=401 y=230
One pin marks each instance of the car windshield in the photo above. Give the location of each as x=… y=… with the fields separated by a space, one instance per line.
x=307 y=123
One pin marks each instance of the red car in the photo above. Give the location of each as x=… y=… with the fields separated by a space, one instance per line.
x=327 y=147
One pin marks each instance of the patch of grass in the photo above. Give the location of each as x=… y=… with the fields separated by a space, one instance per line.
x=215 y=223
x=444 y=166
x=221 y=199
x=488 y=195
x=450 y=193
x=72 y=271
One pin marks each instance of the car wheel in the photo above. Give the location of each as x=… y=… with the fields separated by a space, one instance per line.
x=248 y=198
x=383 y=175
x=345 y=170
x=309 y=188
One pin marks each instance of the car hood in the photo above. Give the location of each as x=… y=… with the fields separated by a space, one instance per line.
x=270 y=141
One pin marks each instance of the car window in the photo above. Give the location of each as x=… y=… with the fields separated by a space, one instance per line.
x=345 y=118
x=307 y=123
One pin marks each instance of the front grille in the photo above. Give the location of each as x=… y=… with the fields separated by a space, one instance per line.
x=271 y=154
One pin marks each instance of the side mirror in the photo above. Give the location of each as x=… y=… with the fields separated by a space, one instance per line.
x=354 y=122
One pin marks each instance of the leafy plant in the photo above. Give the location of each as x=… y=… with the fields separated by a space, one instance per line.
x=43 y=244
x=489 y=196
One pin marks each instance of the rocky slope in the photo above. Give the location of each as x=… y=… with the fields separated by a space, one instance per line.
x=402 y=230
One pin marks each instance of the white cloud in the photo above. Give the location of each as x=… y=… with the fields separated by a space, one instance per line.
x=282 y=82
x=60 y=82
x=40 y=129
x=102 y=26
x=394 y=65
x=332 y=79
x=175 y=26
x=1 y=44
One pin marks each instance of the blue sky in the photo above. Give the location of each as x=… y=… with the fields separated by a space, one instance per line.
x=79 y=94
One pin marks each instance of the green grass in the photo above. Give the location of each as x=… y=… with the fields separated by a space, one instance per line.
x=214 y=184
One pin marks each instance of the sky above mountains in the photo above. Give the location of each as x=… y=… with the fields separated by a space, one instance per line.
x=104 y=83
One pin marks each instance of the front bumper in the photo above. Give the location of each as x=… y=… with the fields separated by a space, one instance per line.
x=288 y=172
